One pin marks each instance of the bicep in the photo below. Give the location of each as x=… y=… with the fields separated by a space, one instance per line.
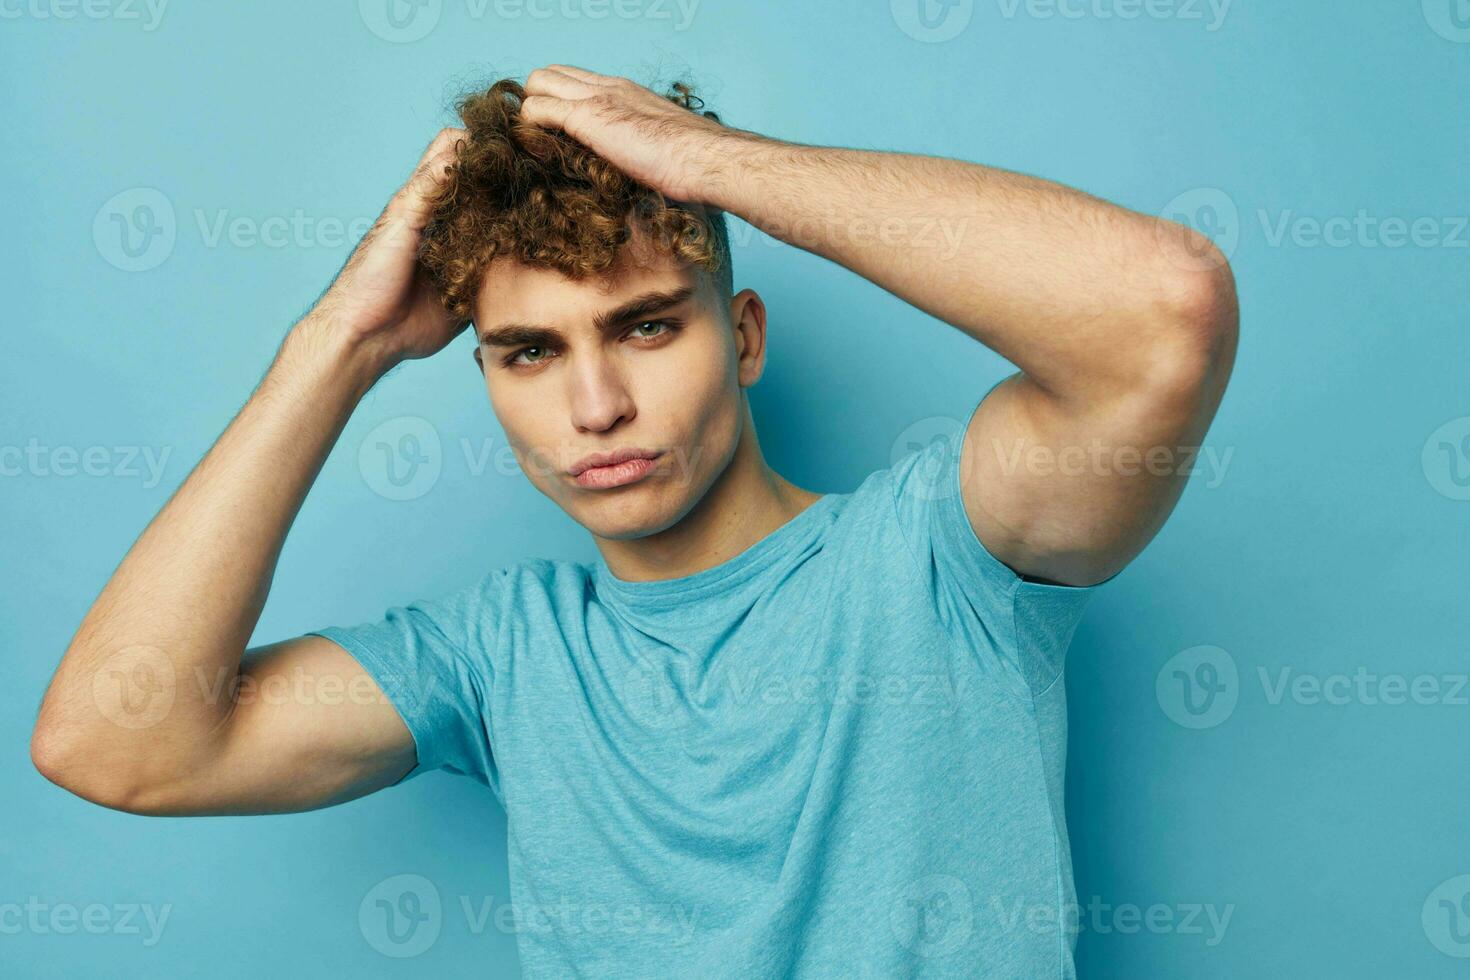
x=309 y=728
x=1071 y=492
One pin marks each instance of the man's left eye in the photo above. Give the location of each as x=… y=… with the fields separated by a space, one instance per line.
x=652 y=323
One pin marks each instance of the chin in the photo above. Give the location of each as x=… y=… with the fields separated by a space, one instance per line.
x=624 y=515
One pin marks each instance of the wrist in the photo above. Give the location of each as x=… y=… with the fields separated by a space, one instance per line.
x=735 y=164
x=325 y=347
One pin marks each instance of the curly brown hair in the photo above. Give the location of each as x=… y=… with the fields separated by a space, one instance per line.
x=538 y=195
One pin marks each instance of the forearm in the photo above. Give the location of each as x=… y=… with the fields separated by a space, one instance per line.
x=1080 y=294
x=183 y=602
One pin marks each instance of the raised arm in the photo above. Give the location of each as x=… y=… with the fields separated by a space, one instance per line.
x=157 y=707
x=1123 y=325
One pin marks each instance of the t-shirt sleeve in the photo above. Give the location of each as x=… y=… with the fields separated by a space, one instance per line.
x=432 y=660
x=1017 y=626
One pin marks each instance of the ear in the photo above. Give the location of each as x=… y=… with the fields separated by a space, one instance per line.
x=748 y=319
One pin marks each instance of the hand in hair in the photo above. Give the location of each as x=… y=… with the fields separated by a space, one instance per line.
x=382 y=297
x=521 y=188
x=654 y=139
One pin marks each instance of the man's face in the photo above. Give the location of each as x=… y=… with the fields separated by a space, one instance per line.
x=647 y=360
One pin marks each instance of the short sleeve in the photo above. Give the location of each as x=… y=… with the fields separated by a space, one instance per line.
x=431 y=659
x=1015 y=624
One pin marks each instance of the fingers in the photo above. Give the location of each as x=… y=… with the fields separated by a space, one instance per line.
x=442 y=150
x=548 y=110
x=411 y=202
x=582 y=74
x=553 y=93
x=559 y=84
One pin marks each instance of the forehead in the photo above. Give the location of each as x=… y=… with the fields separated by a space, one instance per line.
x=513 y=292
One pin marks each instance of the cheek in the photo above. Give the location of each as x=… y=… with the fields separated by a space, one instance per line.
x=700 y=398
x=528 y=429
x=705 y=367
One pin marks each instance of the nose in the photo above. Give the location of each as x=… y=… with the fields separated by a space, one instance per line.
x=599 y=396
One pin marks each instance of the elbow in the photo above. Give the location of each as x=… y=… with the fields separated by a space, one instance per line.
x=1200 y=294
x=64 y=762
x=46 y=754
x=1198 y=312
x=55 y=757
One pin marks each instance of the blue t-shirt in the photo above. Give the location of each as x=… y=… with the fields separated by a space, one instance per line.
x=838 y=754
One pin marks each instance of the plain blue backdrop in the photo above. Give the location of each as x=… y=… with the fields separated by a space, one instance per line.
x=1268 y=707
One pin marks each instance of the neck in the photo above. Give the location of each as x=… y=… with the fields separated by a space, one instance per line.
x=746 y=502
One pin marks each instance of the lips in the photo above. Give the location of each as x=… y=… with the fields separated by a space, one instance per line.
x=599 y=460
x=615 y=475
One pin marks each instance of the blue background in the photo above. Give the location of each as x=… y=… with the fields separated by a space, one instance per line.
x=1334 y=544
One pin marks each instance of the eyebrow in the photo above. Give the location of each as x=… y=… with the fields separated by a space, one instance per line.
x=539 y=335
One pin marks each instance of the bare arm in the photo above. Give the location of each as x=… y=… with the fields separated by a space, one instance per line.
x=1123 y=325
x=157 y=707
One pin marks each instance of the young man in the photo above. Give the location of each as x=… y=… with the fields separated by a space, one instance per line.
x=810 y=734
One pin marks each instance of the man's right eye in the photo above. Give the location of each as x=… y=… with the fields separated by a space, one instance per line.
x=513 y=359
